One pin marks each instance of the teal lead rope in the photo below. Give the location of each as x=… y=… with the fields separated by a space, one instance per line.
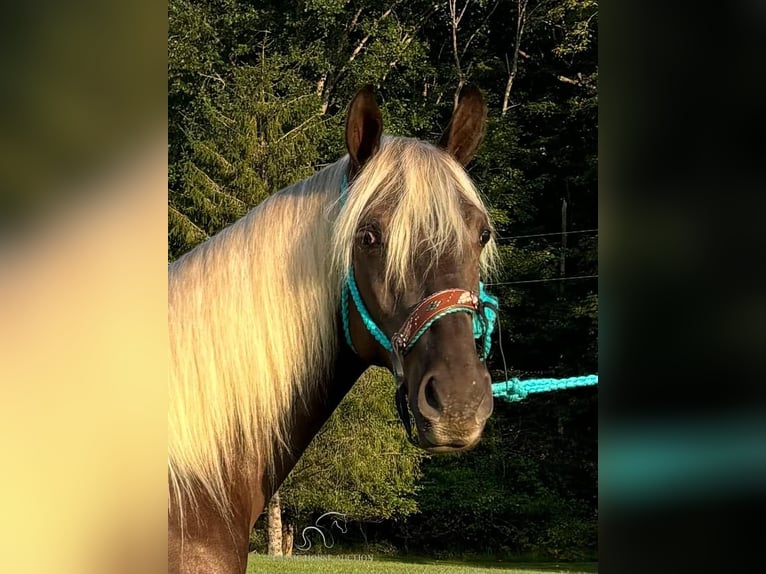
x=515 y=390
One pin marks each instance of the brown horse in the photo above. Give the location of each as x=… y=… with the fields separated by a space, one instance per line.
x=266 y=340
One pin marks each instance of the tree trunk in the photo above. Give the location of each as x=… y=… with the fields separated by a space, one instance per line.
x=521 y=15
x=455 y=19
x=274 y=526
x=288 y=532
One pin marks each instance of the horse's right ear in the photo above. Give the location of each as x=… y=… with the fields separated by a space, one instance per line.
x=364 y=127
x=466 y=128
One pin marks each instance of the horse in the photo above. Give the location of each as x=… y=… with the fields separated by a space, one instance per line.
x=376 y=259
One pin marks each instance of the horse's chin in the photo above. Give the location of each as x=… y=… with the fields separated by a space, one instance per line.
x=447 y=448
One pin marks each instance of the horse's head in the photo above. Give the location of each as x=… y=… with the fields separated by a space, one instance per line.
x=417 y=237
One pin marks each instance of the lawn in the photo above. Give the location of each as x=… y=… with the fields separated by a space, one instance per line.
x=368 y=564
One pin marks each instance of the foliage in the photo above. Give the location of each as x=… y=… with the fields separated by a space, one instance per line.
x=258 y=541
x=249 y=141
x=360 y=464
x=527 y=482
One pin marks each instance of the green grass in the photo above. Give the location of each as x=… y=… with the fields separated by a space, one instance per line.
x=384 y=565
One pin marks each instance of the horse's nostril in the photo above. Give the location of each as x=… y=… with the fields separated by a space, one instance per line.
x=428 y=401
x=430 y=394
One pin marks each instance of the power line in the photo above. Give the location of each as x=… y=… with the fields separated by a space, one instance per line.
x=547 y=234
x=544 y=280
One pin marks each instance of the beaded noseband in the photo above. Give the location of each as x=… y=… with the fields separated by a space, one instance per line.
x=482 y=305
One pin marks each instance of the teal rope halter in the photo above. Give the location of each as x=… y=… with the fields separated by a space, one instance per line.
x=349 y=286
x=482 y=328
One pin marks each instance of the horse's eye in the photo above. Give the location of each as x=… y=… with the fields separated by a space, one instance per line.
x=486 y=235
x=369 y=237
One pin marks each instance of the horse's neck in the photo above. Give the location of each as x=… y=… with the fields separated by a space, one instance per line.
x=307 y=419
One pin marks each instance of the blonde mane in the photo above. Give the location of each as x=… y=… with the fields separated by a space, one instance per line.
x=252 y=312
x=422 y=190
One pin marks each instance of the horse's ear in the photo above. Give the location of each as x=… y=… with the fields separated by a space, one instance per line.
x=364 y=126
x=466 y=128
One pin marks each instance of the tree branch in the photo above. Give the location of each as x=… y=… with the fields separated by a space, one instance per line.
x=283 y=136
x=216 y=77
x=186 y=220
x=217 y=188
x=354 y=20
x=327 y=84
x=569 y=81
x=478 y=29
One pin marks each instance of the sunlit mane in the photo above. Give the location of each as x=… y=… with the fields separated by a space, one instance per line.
x=252 y=321
x=252 y=313
x=422 y=190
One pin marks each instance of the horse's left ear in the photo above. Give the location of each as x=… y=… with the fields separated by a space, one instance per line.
x=466 y=128
x=364 y=127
